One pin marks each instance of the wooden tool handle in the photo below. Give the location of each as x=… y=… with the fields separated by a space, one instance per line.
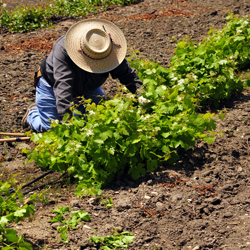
x=12 y=134
x=15 y=139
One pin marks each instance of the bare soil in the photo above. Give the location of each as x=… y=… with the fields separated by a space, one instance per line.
x=201 y=202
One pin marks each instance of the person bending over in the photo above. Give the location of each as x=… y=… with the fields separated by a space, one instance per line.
x=78 y=65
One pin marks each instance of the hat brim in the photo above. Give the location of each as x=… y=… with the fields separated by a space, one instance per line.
x=73 y=47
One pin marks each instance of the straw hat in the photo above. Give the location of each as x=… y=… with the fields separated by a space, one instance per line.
x=96 y=45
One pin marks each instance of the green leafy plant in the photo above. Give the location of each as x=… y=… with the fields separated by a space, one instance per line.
x=115 y=241
x=43 y=196
x=124 y=134
x=206 y=70
x=120 y=136
x=68 y=224
x=108 y=202
x=12 y=211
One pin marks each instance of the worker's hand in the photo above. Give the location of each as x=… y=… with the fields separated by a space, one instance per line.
x=135 y=87
x=138 y=89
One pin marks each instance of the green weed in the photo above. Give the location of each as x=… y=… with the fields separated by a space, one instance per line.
x=116 y=240
x=107 y=202
x=68 y=224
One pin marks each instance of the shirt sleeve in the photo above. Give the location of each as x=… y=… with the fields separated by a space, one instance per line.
x=127 y=76
x=64 y=80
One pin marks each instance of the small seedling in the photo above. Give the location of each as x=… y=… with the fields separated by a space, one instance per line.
x=44 y=196
x=24 y=165
x=68 y=224
x=107 y=202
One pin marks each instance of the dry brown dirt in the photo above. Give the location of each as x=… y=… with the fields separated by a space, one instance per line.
x=201 y=202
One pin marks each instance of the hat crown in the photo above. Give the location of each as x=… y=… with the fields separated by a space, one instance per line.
x=96 y=44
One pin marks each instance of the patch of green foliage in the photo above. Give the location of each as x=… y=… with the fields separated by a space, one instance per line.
x=117 y=240
x=28 y=18
x=12 y=209
x=68 y=224
x=207 y=69
x=126 y=134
